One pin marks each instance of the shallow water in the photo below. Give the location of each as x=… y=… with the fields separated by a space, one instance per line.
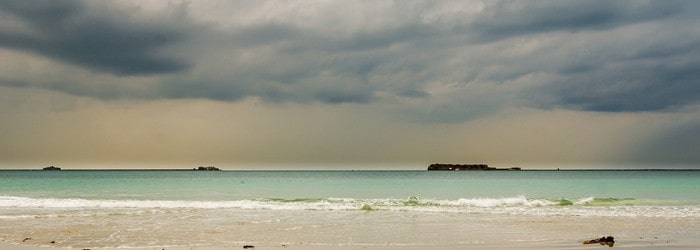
x=347 y=208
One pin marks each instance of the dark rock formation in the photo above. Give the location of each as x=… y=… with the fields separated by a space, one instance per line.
x=209 y=168
x=459 y=167
x=51 y=168
x=610 y=241
x=248 y=247
x=454 y=167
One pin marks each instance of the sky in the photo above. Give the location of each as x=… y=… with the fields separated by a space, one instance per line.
x=349 y=84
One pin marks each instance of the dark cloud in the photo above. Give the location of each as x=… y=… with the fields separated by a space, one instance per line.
x=110 y=39
x=619 y=56
x=633 y=89
x=43 y=12
x=503 y=19
x=655 y=77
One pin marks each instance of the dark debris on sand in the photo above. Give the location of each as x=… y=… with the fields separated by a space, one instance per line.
x=610 y=241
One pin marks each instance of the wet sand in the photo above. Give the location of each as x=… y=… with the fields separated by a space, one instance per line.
x=626 y=243
x=380 y=230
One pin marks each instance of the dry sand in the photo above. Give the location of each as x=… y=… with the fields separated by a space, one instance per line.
x=649 y=243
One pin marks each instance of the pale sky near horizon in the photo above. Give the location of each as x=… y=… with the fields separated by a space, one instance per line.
x=349 y=84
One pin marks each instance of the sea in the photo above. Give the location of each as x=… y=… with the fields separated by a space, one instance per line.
x=346 y=209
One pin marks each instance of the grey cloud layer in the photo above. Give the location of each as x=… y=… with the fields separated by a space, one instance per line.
x=102 y=38
x=505 y=19
x=452 y=65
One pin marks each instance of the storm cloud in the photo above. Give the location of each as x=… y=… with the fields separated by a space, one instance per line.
x=100 y=37
x=504 y=19
x=350 y=81
x=607 y=56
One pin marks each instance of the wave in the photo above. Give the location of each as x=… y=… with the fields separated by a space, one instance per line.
x=464 y=202
x=509 y=205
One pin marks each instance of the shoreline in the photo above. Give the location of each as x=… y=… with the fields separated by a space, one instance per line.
x=442 y=232
x=637 y=243
x=285 y=210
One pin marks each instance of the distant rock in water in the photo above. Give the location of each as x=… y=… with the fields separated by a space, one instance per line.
x=51 y=168
x=209 y=168
x=455 y=167
x=459 y=167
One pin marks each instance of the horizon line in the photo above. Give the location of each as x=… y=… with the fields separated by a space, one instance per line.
x=367 y=170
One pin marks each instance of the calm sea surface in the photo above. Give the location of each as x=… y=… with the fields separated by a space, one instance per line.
x=634 y=187
x=296 y=205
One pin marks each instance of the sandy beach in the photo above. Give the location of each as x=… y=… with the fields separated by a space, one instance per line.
x=509 y=233
x=300 y=210
x=650 y=243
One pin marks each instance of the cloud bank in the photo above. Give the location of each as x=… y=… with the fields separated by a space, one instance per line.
x=594 y=55
x=424 y=62
x=96 y=37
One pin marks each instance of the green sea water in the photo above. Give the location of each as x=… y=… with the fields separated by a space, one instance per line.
x=563 y=187
x=419 y=209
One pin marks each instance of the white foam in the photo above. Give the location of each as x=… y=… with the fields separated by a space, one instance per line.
x=11 y=201
x=16 y=217
x=499 y=202
x=25 y=202
x=519 y=205
x=584 y=201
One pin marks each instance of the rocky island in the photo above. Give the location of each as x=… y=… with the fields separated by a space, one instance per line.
x=51 y=168
x=459 y=167
x=209 y=168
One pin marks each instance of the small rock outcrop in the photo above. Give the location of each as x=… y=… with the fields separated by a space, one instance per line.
x=610 y=241
x=468 y=167
x=456 y=167
x=209 y=168
x=51 y=168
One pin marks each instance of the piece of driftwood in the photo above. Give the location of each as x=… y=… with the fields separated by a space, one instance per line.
x=610 y=241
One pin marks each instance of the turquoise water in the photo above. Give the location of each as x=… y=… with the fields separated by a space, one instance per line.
x=88 y=209
x=561 y=187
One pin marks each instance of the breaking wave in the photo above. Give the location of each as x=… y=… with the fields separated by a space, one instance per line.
x=507 y=205
x=311 y=203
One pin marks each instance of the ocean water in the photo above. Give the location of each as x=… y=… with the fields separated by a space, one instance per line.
x=345 y=208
